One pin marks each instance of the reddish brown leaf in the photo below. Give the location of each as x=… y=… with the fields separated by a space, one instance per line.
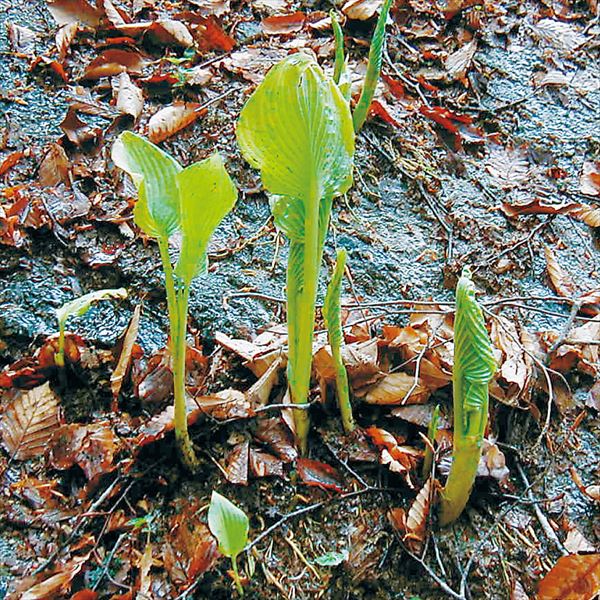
x=361 y=10
x=11 y=160
x=86 y=594
x=263 y=464
x=538 y=206
x=92 y=447
x=589 y=182
x=573 y=577
x=589 y=215
x=401 y=459
x=169 y=32
x=64 y=38
x=153 y=382
x=78 y=132
x=395 y=388
x=276 y=434
x=318 y=474
x=73 y=11
x=236 y=470
x=113 y=62
x=57 y=584
x=284 y=24
x=54 y=168
x=171 y=119
x=124 y=364
x=561 y=281
x=29 y=422
x=208 y=33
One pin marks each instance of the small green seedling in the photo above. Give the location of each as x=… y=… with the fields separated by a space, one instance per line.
x=191 y=202
x=297 y=129
x=229 y=524
x=332 y=315
x=77 y=308
x=333 y=558
x=431 y=432
x=474 y=367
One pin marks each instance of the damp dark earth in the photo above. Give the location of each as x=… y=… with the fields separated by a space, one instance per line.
x=480 y=149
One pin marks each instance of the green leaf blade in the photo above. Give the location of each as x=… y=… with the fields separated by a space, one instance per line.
x=229 y=524
x=154 y=173
x=79 y=306
x=207 y=195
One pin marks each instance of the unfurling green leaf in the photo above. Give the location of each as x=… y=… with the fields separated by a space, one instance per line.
x=332 y=315
x=332 y=559
x=474 y=367
x=361 y=109
x=297 y=129
x=77 y=308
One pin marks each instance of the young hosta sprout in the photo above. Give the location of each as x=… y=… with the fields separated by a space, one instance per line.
x=191 y=201
x=333 y=322
x=474 y=367
x=297 y=129
x=77 y=308
x=229 y=524
x=361 y=109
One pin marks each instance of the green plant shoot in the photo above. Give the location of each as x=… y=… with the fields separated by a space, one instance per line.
x=361 y=109
x=297 y=129
x=191 y=201
x=431 y=433
x=229 y=524
x=77 y=308
x=474 y=367
x=333 y=322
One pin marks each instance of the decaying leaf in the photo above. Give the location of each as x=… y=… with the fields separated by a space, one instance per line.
x=589 y=181
x=72 y=11
x=560 y=34
x=591 y=491
x=171 y=119
x=64 y=38
x=561 y=281
x=412 y=525
x=263 y=464
x=129 y=97
x=576 y=542
x=284 y=24
x=22 y=39
x=124 y=362
x=236 y=469
x=92 y=447
x=508 y=167
x=113 y=62
x=400 y=459
x=573 y=577
x=398 y=388
x=459 y=62
x=318 y=474
x=361 y=10
x=55 y=166
x=276 y=434
x=29 y=422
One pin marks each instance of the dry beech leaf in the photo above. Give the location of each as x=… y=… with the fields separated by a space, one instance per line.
x=54 y=168
x=418 y=414
x=361 y=10
x=236 y=469
x=518 y=591
x=276 y=434
x=169 y=32
x=114 y=61
x=207 y=8
x=58 y=584
x=589 y=181
x=64 y=38
x=272 y=6
x=458 y=63
x=561 y=281
x=318 y=474
x=560 y=34
x=29 y=422
x=22 y=39
x=591 y=491
x=124 y=362
x=92 y=447
x=394 y=389
x=576 y=543
x=263 y=464
x=171 y=119
x=73 y=11
x=78 y=132
x=284 y=24
x=508 y=167
x=573 y=577
x=252 y=63
x=412 y=525
x=129 y=97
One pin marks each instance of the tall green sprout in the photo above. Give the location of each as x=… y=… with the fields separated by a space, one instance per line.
x=333 y=321
x=474 y=367
x=191 y=202
x=361 y=110
x=297 y=129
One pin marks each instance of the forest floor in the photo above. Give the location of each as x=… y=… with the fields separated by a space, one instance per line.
x=482 y=149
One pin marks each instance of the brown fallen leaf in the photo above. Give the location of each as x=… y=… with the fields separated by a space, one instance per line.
x=124 y=363
x=92 y=447
x=169 y=32
x=576 y=543
x=459 y=62
x=64 y=38
x=78 y=132
x=573 y=577
x=207 y=8
x=22 y=40
x=508 y=167
x=113 y=62
x=73 y=11
x=253 y=62
x=55 y=167
x=57 y=584
x=29 y=422
x=591 y=491
x=561 y=281
x=275 y=433
x=12 y=159
x=413 y=525
x=319 y=474
x=284 y=24
x=589 y=181
x=398 y=388
x=418 y=414
x=400 y=459
x=263 y=464
x=171 y=119
x=129 y=97
x=236 y=467
x=361 y=10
